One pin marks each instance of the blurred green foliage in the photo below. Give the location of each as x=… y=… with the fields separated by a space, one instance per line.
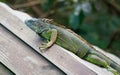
x=98 y=21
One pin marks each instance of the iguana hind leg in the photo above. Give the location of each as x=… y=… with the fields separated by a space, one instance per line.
x=100 y=62
x=52 y=40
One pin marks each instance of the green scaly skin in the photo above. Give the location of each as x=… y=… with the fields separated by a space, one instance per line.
x=72 y=42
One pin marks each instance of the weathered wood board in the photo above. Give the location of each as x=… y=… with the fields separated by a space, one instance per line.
x=66 y=61
x=22 y=59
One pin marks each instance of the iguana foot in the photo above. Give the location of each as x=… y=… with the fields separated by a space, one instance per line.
x=43 y=47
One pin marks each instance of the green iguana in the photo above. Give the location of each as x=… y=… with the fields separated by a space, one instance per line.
x=69 y=40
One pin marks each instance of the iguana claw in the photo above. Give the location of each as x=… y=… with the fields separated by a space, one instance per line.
x=43 y=47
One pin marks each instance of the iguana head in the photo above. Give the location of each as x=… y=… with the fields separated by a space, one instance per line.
x=36 y=25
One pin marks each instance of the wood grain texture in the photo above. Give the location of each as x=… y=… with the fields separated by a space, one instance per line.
x=57 y=55
x=21 y=59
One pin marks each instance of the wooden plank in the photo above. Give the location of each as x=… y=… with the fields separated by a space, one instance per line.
x=57 y=55
x=21 y=59
x=4 y=70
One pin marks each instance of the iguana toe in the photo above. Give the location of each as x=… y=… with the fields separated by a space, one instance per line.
x=43 y=47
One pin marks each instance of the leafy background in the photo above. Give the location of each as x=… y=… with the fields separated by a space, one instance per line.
x=98 y=21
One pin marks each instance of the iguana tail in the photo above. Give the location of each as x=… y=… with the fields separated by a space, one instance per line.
x=110 y=62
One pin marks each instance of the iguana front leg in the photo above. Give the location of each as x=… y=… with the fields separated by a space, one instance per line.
x=53 y=37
